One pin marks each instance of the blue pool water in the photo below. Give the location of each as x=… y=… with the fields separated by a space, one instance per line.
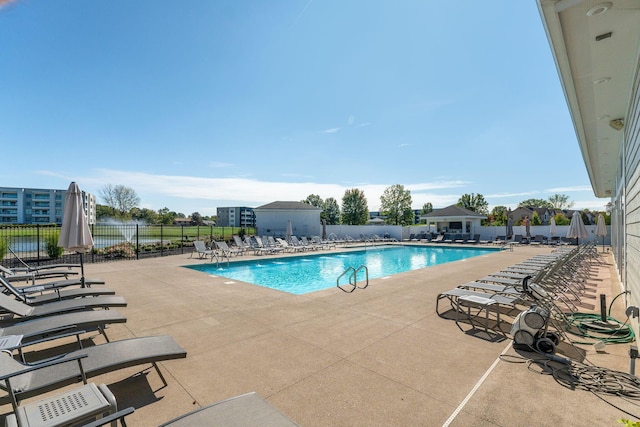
x=315 y=271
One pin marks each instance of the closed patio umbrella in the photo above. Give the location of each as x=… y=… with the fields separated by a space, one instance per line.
x=577 y=230
x=74 y=233
x=601 y=228
x=553 y=229
x=527 y=227
x=509 y=228
x=324 y=229
x=289 y=231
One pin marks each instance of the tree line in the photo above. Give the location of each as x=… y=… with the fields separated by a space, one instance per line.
x=121 y=202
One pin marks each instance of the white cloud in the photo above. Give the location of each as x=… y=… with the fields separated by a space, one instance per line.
x=331 y=130
x=195 y=190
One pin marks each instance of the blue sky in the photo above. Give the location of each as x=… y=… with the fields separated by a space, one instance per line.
x=201 y=104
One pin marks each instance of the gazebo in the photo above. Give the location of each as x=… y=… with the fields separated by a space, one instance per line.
x=454 y=220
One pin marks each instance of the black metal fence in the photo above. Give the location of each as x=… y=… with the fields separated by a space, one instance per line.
x=37 y=244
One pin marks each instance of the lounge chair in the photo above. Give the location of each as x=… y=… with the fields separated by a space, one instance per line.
x=327 y=243
x=226 y=250
x=474 y=306
x=438 y=239
x=31 y=276
x=272 y=244
x=454 y=294
x=448 y=238
x=241 y=245
x=57 y=284
x=474 y=240
x=36 y=296
x=29 y=267
x=260 y=248
x=33 y=330
x=25 y=311
x=462 y=239
x=247 y=410
x=538 y=239
x=72 y=407
x=307 y=244
x=287 y=247
x=101 y=358
x=201 y=250
x=298 y=244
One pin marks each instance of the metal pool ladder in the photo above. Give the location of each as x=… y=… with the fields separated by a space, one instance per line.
x=352 y=274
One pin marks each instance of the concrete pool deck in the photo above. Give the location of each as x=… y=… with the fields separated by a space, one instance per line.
x=378 y=356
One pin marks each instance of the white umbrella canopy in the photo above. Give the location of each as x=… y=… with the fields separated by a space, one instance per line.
x=601 y=228
x=577 y=230
x=74 y=232
x=553 y=229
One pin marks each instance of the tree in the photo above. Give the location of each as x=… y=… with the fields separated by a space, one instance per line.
x=196 y=218
x=535 y=219
x=120 y=199
x=332 y=211
x=475 y=203
x=166 y=216
x=427 y=208
x=499 y=214
x=560 y=201
x=561 y=219
x=103 y=212
x=354 y=208
x=394 y=203
x=314 y=200
x=317 y=202
x=144 y=215
x=535 y=203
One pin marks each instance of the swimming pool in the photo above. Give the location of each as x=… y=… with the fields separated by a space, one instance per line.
x=313 y=272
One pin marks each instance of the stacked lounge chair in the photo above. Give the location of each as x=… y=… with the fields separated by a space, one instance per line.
x=44 y=314
x=562 y=276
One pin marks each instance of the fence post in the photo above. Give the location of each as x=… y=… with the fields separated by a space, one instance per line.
x=161 y=240
x=182 y=239
x=38 y=242
x=93 y=252
x=137 y=241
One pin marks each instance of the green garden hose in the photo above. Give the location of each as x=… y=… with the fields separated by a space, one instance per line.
x=590 y=325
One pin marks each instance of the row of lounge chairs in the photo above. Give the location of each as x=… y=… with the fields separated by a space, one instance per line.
x=266 y=245
x=47 y=313
x=562 y=276
x=468 y=239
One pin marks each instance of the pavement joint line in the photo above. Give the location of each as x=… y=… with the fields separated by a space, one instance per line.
x=476 y=386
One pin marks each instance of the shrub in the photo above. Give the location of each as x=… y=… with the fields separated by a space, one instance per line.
x=3 y=248
x=51 y=245
x=121 y=250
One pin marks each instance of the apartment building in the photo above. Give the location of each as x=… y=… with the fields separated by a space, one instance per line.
x=236 y=217
x=39 y=206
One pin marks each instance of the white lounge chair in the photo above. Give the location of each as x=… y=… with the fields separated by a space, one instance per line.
x=202 y=250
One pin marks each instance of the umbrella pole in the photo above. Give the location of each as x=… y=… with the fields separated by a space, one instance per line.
x=82 y=270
